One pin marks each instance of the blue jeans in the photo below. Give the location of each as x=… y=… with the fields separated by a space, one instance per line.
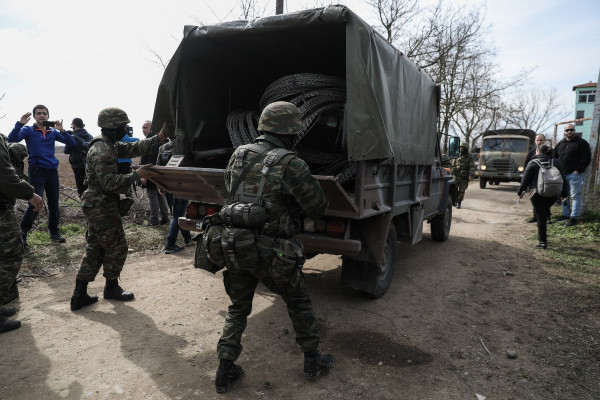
x=179 y=207
x=43 y=179
x=573 y=209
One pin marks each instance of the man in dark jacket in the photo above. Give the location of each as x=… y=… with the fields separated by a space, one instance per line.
x=575 y=155
x=11 y=247
x=77 y=153
x=540 y=139
x=541 y=204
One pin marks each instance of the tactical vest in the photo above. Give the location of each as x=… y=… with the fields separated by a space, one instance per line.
x=263 y=187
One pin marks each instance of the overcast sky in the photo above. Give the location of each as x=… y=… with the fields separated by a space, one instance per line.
x=77 y=56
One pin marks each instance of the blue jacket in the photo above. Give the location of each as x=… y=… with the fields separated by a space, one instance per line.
x=40 y=147
x=127 y=138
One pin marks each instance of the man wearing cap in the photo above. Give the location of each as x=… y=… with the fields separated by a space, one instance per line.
x=78 y=153
x=289 y=191
x=462 y=168
x=43 y=165
x=575 y=155
x=106 y=244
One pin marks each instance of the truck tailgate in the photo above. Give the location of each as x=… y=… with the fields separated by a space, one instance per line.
x=207 y=185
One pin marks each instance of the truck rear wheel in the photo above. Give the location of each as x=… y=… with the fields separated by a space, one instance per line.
x=440 y=224
x=482 y=182
x=372 y=280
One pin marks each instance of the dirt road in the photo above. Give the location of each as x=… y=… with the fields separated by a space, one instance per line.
x=441 y=332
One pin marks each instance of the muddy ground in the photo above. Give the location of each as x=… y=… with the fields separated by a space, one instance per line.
x=441 y=332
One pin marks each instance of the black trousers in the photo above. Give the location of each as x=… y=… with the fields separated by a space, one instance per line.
x=541 y=208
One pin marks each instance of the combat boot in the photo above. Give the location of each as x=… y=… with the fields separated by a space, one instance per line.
x=8 y=324
x=12 y=294
x=8 y=311
x=112 y=290
x=315 y=362
x=80 y=297
x=227 y=373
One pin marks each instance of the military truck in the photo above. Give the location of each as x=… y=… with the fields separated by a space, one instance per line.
x=369 y=130
x=502 y=155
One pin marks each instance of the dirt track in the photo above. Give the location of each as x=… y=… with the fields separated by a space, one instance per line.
x=485 y=289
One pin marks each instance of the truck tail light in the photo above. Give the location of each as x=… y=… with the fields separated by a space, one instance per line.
x=210 y=210
x=335 y=228
x=191 y=211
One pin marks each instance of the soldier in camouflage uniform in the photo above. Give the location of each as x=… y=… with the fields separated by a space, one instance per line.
x=102 y=206
x=291 y=190
x=462 y=168
x=12 y=187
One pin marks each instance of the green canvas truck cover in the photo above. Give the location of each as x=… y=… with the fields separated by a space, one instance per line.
x=391 y=109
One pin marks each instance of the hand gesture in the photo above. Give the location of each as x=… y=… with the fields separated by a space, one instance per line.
x=25 y=118
x=146 y=171
x=36 y=201
x=58 y=124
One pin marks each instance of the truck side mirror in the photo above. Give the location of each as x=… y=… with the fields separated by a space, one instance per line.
x=453 y=147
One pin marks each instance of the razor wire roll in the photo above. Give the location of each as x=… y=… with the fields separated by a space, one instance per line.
x=314 y=95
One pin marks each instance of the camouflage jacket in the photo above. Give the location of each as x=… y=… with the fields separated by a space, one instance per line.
x=463 y=166
x=103 y=180
x=11 y=185
x=290 y=187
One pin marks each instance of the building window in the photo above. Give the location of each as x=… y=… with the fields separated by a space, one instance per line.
x=587 y=96
x=578 y=115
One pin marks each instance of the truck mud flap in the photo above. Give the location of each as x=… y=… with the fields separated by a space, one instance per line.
x=416 y=222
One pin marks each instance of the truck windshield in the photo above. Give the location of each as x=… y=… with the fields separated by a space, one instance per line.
x=499 y=144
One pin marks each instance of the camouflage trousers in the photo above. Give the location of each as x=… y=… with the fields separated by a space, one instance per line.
x=11 y=248
x=462 y=185
x=106 y=244
x=240 y=285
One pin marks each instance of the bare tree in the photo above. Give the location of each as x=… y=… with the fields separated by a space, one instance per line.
x=481 y=105
x=449 y=43
x=534 y=109
x=393 y=15
x=2 y=97
x=252 y=9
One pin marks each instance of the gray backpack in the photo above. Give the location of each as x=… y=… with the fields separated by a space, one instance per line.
x=549 y=181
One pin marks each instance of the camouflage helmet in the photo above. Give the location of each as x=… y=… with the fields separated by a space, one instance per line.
x=112 y=117
x=282 y=118
x=466 y=146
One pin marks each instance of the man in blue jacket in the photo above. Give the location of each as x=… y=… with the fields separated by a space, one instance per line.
x=43 y=165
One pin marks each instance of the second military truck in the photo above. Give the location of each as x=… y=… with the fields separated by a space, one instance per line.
x=369 y=130
x=502 y=155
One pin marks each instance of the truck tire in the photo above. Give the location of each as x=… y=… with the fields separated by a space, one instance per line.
x=370 y=279
x=482 y=182
x=440 y=224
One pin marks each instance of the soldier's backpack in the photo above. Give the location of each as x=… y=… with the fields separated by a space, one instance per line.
x=549 y=180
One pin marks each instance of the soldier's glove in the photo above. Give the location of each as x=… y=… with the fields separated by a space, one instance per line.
x=146 y=171
x=168 y=129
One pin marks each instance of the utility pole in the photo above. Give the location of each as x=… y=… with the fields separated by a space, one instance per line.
x=279 y=7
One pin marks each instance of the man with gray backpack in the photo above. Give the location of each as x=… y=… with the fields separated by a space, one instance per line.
x=545 y=180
